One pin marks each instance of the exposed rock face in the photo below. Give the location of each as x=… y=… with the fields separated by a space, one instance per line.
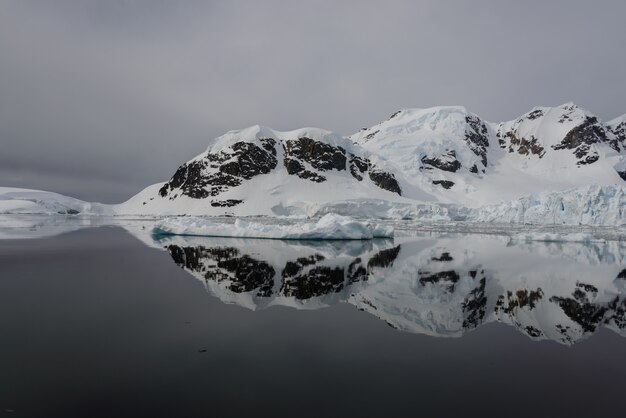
x=385 y=180
x=619 y=133
x=318 y=155
x=523 y=146
x=535 y=114
x=216 y=173
x=226 y=203
x=358 y=166
x=585 y=131
x=321 y=156
x=581 y=138
x=446 y=184
x=512 y=137
x=446 y=162
x=477 y=137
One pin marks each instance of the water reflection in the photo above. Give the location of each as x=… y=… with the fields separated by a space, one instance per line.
x=436 y=285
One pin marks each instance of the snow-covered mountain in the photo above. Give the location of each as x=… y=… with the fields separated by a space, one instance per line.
x=433 y=163
x=551 y=165
x=460 y=158
x=437 y=285
x=258 y=170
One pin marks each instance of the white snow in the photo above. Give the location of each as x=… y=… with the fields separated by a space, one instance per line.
x=329 y=227
x=27 y=201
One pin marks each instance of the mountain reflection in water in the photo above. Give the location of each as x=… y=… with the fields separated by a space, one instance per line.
x=436 y=285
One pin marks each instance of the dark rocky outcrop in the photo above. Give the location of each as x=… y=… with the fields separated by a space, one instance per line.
x=534 y=114
x=371 y=135
x=619 y=132
x=384 y=180
x=358 y=166
x=216 y=173
x=446 y=184
x=226 y=203
x=477 y=137
x=319 y=155
x=524 y=146
x=394 y=114
x=446 y=162
x=581 y=138
x=295 y=167
x=323 y=157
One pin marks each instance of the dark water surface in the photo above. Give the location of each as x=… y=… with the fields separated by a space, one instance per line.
x=95 y=323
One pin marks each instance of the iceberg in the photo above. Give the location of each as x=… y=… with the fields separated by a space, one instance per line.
x=329 y=227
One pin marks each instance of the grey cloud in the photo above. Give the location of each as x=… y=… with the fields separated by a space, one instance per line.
x=101 y=98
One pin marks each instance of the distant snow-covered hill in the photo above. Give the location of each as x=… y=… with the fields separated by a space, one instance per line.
x=37 y=202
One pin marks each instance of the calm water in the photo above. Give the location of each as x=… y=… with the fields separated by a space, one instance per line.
x=98 y=323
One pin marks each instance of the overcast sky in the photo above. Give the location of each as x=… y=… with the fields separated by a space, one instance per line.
x=101 y=98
